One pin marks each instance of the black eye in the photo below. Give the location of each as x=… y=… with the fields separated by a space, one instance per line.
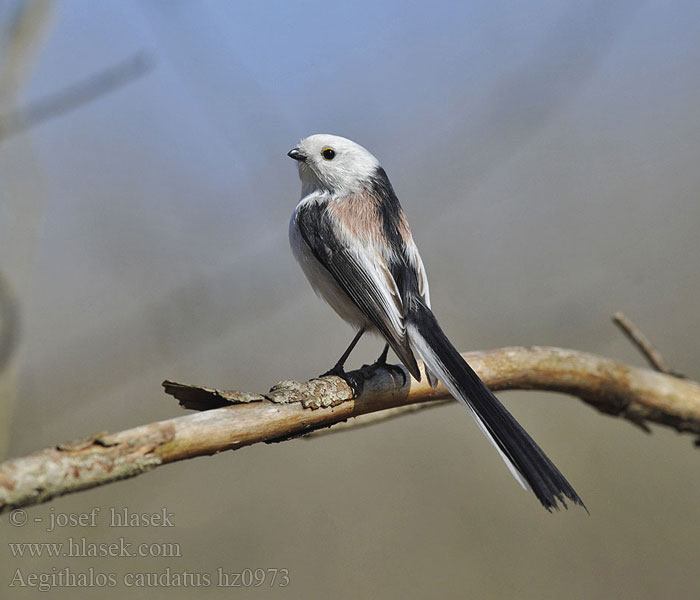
x=328 y=153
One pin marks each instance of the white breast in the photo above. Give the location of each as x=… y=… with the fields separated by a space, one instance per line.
x=321 y=280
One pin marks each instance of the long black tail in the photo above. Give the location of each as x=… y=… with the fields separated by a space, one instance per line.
x=525 y=459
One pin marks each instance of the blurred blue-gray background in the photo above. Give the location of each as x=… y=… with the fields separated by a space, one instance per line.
x=546 y=154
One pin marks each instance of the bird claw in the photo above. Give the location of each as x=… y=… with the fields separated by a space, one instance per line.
x=369 y=371
x=336 y=371
x=355 y=380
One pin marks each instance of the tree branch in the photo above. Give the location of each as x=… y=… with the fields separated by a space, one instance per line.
x=292 y=409
x=633 y=333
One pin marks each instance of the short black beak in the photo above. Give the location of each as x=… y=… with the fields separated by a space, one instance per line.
x=296 y=154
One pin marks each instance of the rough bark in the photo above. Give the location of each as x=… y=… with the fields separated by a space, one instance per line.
x=229 y=420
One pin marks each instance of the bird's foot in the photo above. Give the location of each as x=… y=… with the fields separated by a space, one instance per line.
x=369 y=371
x=355 y=380
x=338 y=371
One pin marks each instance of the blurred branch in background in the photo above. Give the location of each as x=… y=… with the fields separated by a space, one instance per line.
x=76 y=95
x=233 y=419
x=20 y=43
x=22 y=191
x=9 y=323
x=20 y=172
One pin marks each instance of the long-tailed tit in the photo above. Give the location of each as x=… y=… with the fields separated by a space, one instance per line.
x=352 y=240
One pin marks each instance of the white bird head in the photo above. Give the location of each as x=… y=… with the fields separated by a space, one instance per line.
x=332 y=163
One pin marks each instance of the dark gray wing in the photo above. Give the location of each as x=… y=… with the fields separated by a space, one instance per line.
x=363 y=274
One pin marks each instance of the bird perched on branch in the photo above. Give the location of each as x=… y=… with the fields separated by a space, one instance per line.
x=351 y=238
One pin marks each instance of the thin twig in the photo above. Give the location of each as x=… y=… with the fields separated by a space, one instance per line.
x=293 y=409
x=643 y=344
